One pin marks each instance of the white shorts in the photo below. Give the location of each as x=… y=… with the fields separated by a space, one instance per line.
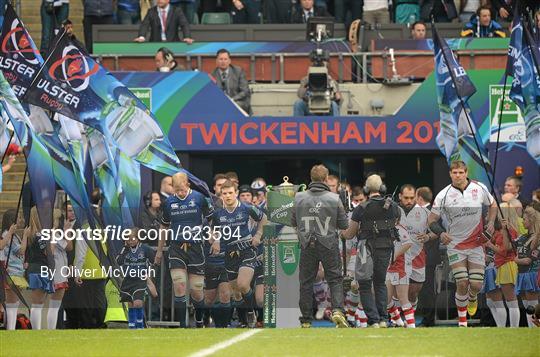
x=472 y=255
x=394 y=278
x=418 y=275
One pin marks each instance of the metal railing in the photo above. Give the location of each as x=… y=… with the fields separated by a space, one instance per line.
x=362 y=72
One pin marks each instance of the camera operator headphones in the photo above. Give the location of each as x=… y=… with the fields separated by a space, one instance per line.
x=147 y=199
x=382 y=190
x=167 y=54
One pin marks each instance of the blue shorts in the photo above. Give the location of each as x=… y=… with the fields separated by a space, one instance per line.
x=527 y=282
x=489 y=280
x=36 y=281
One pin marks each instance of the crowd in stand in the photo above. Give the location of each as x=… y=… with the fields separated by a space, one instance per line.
x=160 y=20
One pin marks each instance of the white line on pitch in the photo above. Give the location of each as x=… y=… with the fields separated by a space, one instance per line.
x=219 y=346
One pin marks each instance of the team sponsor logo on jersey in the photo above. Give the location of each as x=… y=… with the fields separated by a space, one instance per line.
x=174 y=205
x=73 y=69
x=474 y=193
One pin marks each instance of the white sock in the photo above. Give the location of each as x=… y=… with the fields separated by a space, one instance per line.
x=52 y=313
x=11 y=315
x=529 y=317
x=491 y=304
x=513 y=311
x=35 y=316
x=500 y=313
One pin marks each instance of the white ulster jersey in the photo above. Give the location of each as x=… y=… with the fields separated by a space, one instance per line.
x=463 y=212
x=415 y=222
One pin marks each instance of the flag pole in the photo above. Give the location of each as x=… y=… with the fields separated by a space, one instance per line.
x=491 y=180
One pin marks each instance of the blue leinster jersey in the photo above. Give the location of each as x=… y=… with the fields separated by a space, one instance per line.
x=185 y=217
x=136 y=259
x=234 y=225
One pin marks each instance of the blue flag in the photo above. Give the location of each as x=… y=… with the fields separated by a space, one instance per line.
x=39 y=163
x=456 y=138
x=75 y=85
x=523 y=62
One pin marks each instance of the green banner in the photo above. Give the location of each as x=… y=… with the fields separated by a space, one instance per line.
x=289 y=256
x=512 y=123
x=279 y=208
x=270 y=288
x=144 y=95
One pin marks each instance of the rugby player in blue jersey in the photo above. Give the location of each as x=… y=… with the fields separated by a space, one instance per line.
x=184 y=214
x=233 y=224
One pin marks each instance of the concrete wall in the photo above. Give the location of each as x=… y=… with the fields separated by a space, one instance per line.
x=278 y=99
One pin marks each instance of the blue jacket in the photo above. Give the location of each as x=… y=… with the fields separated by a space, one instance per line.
x=471 y=29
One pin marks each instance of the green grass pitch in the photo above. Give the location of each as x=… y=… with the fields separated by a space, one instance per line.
x=275 y=342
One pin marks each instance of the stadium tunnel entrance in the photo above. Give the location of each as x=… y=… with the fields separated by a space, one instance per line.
x=419 y=169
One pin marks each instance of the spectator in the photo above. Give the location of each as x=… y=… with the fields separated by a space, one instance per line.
x=442 y=10
x=342 y=8
x=301 y=14
x=467 y=8
x=128 y=12
x=53 y=13
x=406 y=11
x=16 y=252
x=505 y=8
x=165 y=61
x=376 y=12
x=5 y=168
x=418 y=31
x=482 y=25
x=513 y=185
x=96 y=12
x=301 y=106
x=246 y=11
x=536 y=195
x=232 y=80
x=277 y=11
x=188 y=7
x=163 y=21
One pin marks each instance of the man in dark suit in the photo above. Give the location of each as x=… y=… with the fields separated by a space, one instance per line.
x=232 y=80
x=163 y=22
x=301 y=14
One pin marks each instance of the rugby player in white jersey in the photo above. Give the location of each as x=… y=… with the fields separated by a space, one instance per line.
x=415 y=220
x=462 y=205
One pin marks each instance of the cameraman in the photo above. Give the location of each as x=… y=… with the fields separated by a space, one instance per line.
x=317 y=215
x=373 y=222
x=301 y=107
